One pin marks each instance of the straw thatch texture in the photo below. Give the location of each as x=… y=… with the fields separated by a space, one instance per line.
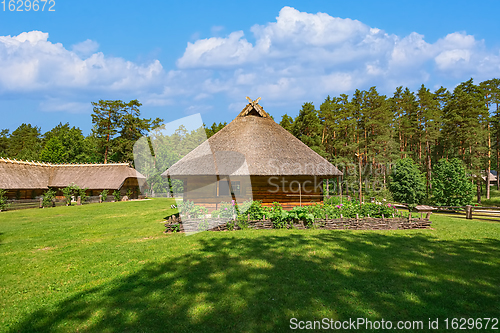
x=23 y=176
x=253 y=144
x=31 y=175
x=90 y=176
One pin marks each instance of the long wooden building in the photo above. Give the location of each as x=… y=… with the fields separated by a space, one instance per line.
x=255 y=158
x=26 y=180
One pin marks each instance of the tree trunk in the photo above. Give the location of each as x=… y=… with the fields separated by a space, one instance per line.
x=489 y=165
x=479 y=190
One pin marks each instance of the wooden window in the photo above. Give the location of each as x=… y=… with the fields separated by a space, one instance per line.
x=224 y=185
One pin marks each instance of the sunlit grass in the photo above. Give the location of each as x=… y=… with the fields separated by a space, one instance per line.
x=110 y=268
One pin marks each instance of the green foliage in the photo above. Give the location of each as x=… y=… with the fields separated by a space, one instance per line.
x=450 y=184
x=210 y=131
x=75 y=191
x=376 y=210
x=406 y=183
x=301 y=214
x=4 y=142
x=129 y=193
x=3 y=199
x=53 y=152
x=175 y=227
x=48 y=197
x=118 y=126
x=188 y=208
x=25 y=143
x=104 y=195
x=64 y=144
x=228 y=210
x=117 y=195
x=68 y=193
x=278 y=216
x=253 y=209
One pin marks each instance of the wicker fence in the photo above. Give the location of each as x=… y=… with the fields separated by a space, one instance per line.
x=369 y=223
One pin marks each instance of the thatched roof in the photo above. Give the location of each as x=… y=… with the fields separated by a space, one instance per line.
x=253 y=144
x=34 y=175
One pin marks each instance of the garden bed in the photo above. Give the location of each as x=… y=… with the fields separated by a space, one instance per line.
x=367 y=223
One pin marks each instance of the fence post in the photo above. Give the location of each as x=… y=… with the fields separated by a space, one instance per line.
x=79 y=201
x=100 y=198
x=468 y=212
x=41 y=203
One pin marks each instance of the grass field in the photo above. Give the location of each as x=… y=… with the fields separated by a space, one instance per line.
x=110 y=268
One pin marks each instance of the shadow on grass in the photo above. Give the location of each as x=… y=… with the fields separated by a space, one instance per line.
x=232 y=283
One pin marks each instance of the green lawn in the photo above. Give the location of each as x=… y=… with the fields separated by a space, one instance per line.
x=110 y=268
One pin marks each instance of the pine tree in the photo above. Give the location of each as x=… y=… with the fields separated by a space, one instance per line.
x=25 y=143
x=4 y=142
x=466 y=120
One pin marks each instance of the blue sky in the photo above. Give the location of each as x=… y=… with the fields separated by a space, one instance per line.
x=180 y=58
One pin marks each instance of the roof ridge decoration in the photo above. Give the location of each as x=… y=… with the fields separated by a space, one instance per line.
x=12 y=161
x=253 y=108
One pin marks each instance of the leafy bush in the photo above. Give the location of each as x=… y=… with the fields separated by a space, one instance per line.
x=450 y=184
x=278 y=216
x=73 y=190
x=301 y=214
x=3 y=199
x=117 y=195
x=188 y=208
x=48 y=197
x=252 y=208
x=228 y=210
x=104 y=195
x=129 y=193
x=334 y=200
x=406 y=182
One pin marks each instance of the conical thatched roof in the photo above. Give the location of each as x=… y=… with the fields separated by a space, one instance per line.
x=253 y=144
x=34 y=175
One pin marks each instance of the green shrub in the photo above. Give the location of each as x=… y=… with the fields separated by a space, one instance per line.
x=117 y=195
x=450 y=184
x=406 y=182
x=252 y=208
x=104 y=195
x=3 y=199
x=68 y=193
x=129 y=193
x=48 y=197
x=73 y=190
x=228 y=210
x=301 y=214
x=278 y=216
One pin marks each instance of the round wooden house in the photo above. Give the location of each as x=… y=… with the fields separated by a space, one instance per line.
x=253 y=157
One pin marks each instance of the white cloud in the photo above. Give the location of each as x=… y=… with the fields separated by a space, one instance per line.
x=303 y=55
x=299 y=57
x=85 y=48
x=29 y=62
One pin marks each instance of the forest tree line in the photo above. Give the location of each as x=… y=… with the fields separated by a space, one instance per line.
x=117 y=125
x=370 y=131
x=367 y=131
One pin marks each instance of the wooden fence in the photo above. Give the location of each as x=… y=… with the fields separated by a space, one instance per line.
x=471 y=212
x=29 y=203
x=37 y=203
